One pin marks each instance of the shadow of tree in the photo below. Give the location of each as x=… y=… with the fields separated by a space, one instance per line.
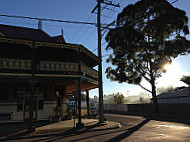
x=129 y=131
x=53 y=137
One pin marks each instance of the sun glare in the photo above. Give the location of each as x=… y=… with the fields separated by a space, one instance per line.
x=171 y=67
x=167 y=66
x=172 y=75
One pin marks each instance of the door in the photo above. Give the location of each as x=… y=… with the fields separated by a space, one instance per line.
x=27 y=108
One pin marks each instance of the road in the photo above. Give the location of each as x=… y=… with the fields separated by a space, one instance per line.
x=134 y=128
x=150 y=129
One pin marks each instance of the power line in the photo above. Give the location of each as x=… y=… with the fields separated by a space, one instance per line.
x=174 y=1
x=81 y=27
x=94 y=50
x=46 y=25
x=49 y=19
x=88 y=36
x=103 y=43
x=105 y=16
x=111 y=10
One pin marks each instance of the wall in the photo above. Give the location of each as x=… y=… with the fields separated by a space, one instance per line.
x=10 y=108
x=45 y=113
x=119 y=108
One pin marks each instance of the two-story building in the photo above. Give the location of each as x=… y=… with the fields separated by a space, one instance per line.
x=43 y=69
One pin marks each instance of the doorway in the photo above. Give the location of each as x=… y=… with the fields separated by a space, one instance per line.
x=26 y=104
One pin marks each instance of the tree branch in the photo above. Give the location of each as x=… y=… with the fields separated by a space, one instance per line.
x=145 y=77
x=144 y=88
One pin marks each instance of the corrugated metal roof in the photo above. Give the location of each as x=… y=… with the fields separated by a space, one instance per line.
x=24 y=33
x=179 y=93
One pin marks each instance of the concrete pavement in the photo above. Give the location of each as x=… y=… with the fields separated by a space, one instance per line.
x=11 y=131
x=134 y=128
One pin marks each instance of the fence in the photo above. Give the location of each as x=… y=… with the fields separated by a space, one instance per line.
x=179 y=109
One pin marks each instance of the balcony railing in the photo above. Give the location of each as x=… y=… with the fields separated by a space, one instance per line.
x=89 y=71
x=47 y=66
x=57 y=66
x=20 y=64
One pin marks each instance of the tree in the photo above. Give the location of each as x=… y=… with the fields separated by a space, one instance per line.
x=119 y=98
x=96 y=99
x=144 y=100
x=148 y=35
x=186 y=79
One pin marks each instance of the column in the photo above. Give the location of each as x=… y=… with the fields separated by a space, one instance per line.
x=87 y=102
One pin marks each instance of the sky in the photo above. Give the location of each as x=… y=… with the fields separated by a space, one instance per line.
x=80 y=10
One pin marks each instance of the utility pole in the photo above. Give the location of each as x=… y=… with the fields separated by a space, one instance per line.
x=31 y=128
x=100 y=82
x=101 y=109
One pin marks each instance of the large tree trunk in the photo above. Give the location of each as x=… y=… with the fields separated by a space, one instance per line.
x=155 y=101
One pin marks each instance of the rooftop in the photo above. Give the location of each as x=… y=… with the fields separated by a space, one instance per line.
x=28 y=34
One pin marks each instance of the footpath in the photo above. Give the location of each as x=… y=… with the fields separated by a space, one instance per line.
x=15 y=130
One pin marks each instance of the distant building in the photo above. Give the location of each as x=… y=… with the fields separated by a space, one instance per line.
x=175 y=97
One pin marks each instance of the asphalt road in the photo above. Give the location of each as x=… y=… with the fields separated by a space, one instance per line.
x=151 y=129
x=134 y=128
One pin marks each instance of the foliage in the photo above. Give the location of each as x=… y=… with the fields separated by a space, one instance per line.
x=186 y=79
x=108 y=99
x=118 y=98
x=148 y=35
x=144 y=100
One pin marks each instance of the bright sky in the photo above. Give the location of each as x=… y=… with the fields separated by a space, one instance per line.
x=80 y=10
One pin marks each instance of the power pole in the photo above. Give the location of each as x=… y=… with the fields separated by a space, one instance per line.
x=98 y=7
x=101 y=109
x=31 y=128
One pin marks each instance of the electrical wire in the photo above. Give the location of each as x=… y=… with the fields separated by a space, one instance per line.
x=94 y=50
x=81 y=27
x=174 y=1
x=48 y=19
x=46 y=25
x=92 y=33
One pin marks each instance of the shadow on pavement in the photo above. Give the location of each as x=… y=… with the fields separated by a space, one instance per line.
x=52 y=137
x=129 y=131
x=167 y=118
x=18 y=129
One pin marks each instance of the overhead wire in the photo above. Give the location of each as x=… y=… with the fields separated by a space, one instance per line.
x=94 y=50
x=92 y=33
x=106 y=17
x=44 y=24
x=48 y=19
x=109 y=14
x=174 y=1
x=81 y=28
